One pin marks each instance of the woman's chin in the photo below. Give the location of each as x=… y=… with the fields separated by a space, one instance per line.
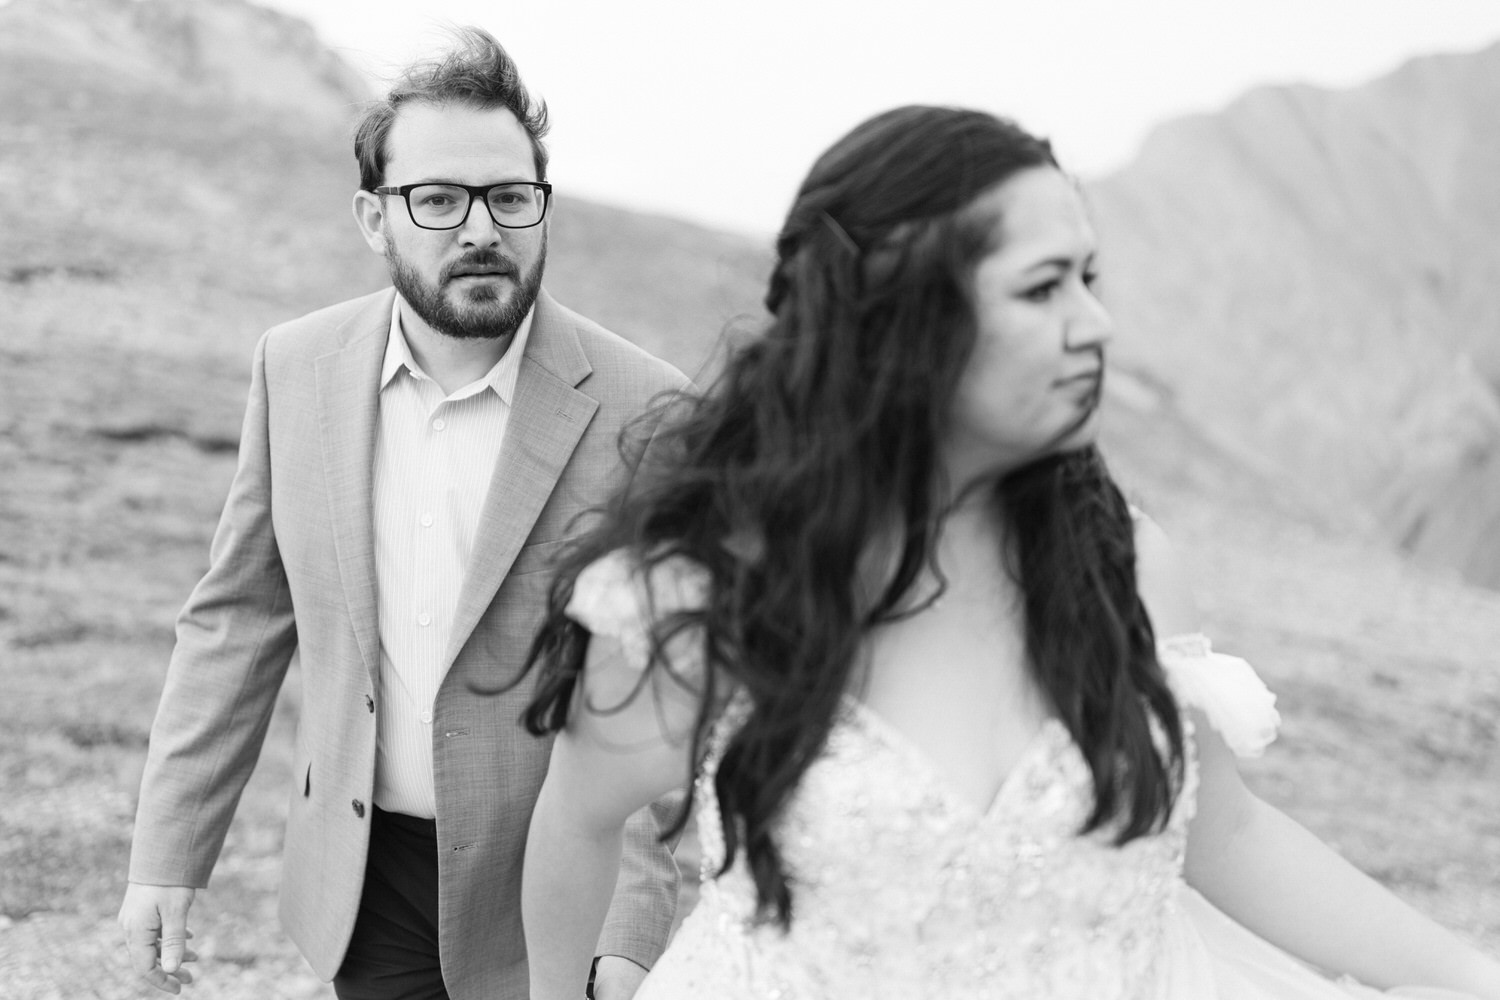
x=1081 y=436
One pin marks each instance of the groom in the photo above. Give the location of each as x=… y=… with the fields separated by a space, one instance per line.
x=410 y=462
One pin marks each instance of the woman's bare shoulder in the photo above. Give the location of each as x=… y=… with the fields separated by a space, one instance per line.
x=1162 y=580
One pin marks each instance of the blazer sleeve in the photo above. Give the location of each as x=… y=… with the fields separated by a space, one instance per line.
x=645 y=901
x=235 y=639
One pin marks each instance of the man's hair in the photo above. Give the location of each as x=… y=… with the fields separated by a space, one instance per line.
x=477 y=73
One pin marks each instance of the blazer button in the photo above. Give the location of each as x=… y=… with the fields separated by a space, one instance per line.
x=359 y=808
x=369 y=703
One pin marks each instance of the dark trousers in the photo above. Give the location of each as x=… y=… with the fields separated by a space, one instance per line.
x=393 y=954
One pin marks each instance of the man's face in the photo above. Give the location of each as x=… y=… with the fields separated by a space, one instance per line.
x=478 y=280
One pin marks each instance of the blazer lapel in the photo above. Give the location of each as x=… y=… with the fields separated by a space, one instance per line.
x=547 y=418
x=348 y=411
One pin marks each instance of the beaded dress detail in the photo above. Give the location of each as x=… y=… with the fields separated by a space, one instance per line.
x=903 y=889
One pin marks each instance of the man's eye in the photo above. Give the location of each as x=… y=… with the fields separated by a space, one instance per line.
x=437 y=200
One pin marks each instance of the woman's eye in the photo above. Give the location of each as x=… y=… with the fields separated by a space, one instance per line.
x=1090 y=278
x=1040 y=293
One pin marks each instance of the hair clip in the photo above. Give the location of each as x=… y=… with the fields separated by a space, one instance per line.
x=840 y=232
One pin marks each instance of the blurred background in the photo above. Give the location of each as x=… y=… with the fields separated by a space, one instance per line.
x=1300 y=218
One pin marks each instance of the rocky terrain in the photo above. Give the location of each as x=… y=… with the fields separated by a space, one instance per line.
x=1313 y=273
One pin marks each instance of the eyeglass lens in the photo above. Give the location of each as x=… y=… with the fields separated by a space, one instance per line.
x=445 y=206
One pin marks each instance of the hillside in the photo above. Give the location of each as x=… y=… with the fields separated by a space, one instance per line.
x=201 y=51
x=160 y=211
x=1313 y=272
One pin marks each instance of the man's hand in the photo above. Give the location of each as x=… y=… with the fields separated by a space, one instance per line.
x=154 y=918
x=617 y=978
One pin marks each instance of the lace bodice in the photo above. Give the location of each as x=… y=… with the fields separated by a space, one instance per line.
x=901 y=888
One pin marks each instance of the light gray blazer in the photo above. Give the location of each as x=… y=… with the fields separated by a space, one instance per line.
x=292 y=575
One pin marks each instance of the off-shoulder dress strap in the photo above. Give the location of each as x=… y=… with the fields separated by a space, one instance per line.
x=1225 y=688
x=614 y=597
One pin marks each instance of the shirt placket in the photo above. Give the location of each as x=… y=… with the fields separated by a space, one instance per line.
x=431 y=605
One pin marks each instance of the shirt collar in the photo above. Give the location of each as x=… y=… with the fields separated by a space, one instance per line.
x=501 y=378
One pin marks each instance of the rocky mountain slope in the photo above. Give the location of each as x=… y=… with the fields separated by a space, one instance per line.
x=1314 y=275
x=204 y=51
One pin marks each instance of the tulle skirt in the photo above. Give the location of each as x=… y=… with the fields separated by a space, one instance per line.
x=1205 y=956
x=1215 y=957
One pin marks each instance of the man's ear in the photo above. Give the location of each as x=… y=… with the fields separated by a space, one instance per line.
x=369 y=215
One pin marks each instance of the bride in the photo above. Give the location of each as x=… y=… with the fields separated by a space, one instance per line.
x=934 y=690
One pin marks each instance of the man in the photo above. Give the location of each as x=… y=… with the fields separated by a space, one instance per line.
x=410 y=461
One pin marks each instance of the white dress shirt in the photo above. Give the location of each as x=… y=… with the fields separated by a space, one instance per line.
x=434 y=457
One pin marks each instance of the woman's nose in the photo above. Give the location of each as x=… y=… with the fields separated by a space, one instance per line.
x=1092 y=325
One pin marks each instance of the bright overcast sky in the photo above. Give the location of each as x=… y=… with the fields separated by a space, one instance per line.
x=714 y=109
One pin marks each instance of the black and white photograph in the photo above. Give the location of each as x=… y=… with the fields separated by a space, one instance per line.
x=780 y=501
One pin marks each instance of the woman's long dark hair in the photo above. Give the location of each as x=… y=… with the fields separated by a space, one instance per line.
x=818 y=438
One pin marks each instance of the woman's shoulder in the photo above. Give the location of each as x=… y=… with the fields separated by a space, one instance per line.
x=1226 y=689
x=1161 y=580
x=622 y=594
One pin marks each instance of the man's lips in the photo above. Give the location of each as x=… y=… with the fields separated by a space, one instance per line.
x=479 y=272
x=482 y=269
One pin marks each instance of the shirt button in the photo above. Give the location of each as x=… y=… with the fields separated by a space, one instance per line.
x=439 y=424
x=427 y=718
x=359 y=808
x=369 y=703
x=424 y=619
x=426 y=520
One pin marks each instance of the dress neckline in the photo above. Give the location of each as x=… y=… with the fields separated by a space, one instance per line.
x=1050 y=735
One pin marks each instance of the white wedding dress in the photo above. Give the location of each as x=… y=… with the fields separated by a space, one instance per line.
x=902 y=889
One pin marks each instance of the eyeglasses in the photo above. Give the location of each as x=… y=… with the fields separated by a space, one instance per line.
x=512 y=205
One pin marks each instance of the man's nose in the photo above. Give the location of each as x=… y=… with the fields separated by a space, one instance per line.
x=479 y=227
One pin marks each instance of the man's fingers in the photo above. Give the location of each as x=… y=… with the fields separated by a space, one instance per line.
x=174 y=935
x=164 y=982
x=172 y=948
x=154 y=919
x=141 y=947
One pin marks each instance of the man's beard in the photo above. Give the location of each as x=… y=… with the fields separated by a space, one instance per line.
x=481 y=314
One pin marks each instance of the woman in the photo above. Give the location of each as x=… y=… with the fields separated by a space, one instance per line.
x=878 y=605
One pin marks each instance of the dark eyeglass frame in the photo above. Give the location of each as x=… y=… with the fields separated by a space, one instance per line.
x=480 y=191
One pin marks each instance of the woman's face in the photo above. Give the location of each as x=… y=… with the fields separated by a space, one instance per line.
x=1033 y=384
